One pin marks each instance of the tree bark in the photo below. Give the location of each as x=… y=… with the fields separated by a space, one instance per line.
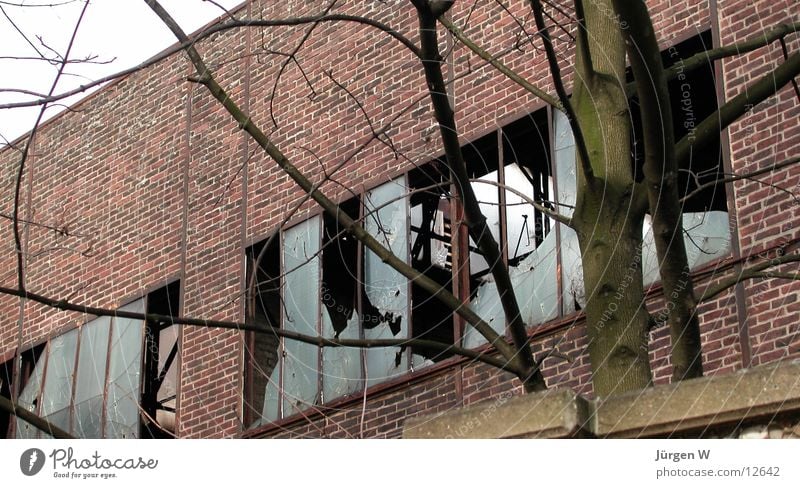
x=609 y=214
x=661 y=180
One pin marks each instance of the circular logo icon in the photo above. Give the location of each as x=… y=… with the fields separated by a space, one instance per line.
x=31 y=461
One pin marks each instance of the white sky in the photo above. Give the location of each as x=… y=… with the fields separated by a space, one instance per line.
x=125 y=31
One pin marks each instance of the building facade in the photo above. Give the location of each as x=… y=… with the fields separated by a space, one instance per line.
x=149 y=198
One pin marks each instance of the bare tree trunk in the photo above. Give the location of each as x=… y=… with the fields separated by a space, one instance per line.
x=609 y=214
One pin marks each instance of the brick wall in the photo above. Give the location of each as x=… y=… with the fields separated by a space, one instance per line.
x=155 y=182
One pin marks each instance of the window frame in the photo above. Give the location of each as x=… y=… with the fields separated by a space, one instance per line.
x=460 y=241
x=25 y=372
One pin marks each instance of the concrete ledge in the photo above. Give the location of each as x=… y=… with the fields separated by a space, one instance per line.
x=694 y=405
x=550 y=414
x=691 y=408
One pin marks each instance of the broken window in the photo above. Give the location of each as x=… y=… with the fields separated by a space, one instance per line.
x=385 y=289
x=160 y=384
x=87 y=415
x=693 y=97
x=524 y=232
x=124 y=375
x=431 y=255
x=31 y=374
x=89 y=382
x=59 y=380
x=262 y=371
x=301 y=245
x=358 y=297
x=529 y=237
x=341 y=280
x=483 y=165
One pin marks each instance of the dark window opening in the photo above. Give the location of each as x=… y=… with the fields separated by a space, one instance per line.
x=482 y=160
x=340 y=292
x=526 y=160
x=159 y=388
x=431 y=255
x=6 y=372
x=263 y=308
x=692 y=98
x=340 y=274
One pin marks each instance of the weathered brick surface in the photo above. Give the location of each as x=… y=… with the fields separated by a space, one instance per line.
x=153 y=181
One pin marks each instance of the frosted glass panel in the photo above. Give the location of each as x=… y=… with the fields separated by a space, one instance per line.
x=535 y=284
x=341 y=365
x=565 y=164
x=124 y=376
x=272 y=397
x=301 y=263
x=90 y=381
x=57 y=393
x=706 y=237
x=487 y=305
x=566 y=175
x=386 y=315
x=29 y=400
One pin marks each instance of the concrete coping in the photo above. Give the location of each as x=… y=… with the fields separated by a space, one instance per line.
x=685 y=408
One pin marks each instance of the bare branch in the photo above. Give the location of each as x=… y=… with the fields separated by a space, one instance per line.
x=743 y=176
x=7 y=406
x=475 y=220
x=26 y=152
x=785 y=51
x=211 y=30
x=528 y=200
x=29 y=5
x=708 y=130
x=511 y=74
x=583 y=37
x=293 y=57
x=307 y=339
x=755 y=271
x=204 y=76
x=661 y=175
x=558 y=82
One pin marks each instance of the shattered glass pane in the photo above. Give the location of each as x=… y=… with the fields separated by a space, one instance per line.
x=124 y=375
x=419 y=361
x=341 y=365
x=272 y=397
x=566 y=173
x=90 y=381
x=488 y=197
x=301 y=263
x=565 y=163
x=571 y=270
x=487 y=305
x=706 y=237
x=57 y=393
x=386 y=315
x=29 y=400
x=535 y=285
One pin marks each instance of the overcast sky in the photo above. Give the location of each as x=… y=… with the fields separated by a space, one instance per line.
x=125 y=31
